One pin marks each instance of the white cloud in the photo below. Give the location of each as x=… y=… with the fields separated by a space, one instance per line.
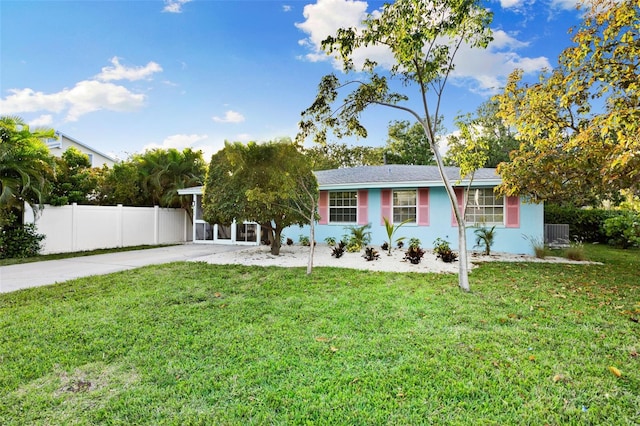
x=564 y=4
x=324 y=18
x=42 y=121
x=85 y=97
x=174 y=6
x=120 y=72
x=286 y=8
x=193 y=141
x=510 y=4
x=484 y=70
x=229 y=117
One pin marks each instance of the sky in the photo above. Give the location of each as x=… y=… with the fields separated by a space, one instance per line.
x=126 y=76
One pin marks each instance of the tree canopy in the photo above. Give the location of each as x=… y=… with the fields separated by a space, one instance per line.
x=578 y=126
x=337 y=155
x=75 y=181
x=269 y=183
x=153 y=178
x=408 y=143
x=483 y=135
x=423 y=38
x=26 y=166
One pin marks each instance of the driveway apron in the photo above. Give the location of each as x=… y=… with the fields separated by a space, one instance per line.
x=16 y=277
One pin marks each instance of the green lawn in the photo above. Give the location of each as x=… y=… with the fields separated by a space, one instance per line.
x=191 y=343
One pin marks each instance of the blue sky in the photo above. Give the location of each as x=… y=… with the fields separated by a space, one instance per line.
x=124 y=76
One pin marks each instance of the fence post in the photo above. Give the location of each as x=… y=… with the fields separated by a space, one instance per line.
x=74 y=227
x=120 y=224
x=156 y=225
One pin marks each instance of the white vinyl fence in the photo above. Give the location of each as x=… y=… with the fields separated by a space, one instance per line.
x=78 y=228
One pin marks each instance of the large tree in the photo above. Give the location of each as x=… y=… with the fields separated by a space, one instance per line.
x=26 y=167
x=337 y=155
x=408 y=144
x=153 y=178
x=269 y=183
x=481 y=133
x=423 y=37
x=76 y=181
x=578 y=126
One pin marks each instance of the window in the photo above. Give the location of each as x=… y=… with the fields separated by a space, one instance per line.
x=404 y=206
x=484 y=207
x=343 y=206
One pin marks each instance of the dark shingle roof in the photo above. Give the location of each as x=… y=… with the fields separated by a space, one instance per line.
x=394 y=174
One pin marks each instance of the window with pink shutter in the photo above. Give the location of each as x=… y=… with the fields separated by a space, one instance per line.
x=323 y=207
x=423 y=206
x=460 y=199
x=513 y=212
x=385 y=207
x=363 y=207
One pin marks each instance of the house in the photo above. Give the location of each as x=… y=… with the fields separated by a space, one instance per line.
x=62 y=142
x=366 y=195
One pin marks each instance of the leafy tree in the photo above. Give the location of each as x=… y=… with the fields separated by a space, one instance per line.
x=579 y=124
x=482 y=134
x=119 y=185
x=153 y=178
x=335 y=156
x=270 y=183
x=76 y=181
x=26 y=167
x=423 y=37
x=408 y=144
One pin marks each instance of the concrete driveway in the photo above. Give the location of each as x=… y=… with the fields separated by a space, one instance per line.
x=16 y=277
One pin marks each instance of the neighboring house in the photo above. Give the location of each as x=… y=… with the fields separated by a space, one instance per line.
x=365 y=195
x=61 y=142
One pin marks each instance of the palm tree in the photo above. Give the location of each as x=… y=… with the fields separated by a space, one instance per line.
x=26 y=166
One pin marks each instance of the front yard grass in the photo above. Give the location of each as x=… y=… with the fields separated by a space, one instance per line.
x=192 y=343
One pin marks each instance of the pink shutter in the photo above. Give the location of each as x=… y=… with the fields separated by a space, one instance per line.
x=460 y=197
x=385 y=207
x=363 y=207
x=323 y=208
x=513 y=212
x=423 y=206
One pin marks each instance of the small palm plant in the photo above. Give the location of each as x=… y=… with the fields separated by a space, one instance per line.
x=359 y=237
x=391 y=230
x=485 y=238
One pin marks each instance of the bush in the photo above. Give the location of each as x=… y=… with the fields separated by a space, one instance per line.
x=20 y=241
x=443 y=251
x=623 y=230
x=584 y=224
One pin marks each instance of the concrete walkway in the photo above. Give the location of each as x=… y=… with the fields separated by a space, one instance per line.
x=16 y=277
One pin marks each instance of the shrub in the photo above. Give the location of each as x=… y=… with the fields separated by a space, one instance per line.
x=304 y=240
x=539 y=249
x=623 y=230
x=289 y=242
x=330 y=241
x=414 y=254
x=371 y=254
x=20 y=241
x=485 y=238
x=443 y=251
x=338 y=250
x=385 y=247
x=584 y=224
x=358 y=237
x=414 y=242
x=575 y=251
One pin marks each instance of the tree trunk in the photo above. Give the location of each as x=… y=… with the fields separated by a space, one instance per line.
x=275 y=240
x=463 y=269
x=312 y=245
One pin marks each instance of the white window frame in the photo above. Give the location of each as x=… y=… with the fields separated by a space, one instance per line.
x=398 y=218
x=353 y=200
x=484 y=207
